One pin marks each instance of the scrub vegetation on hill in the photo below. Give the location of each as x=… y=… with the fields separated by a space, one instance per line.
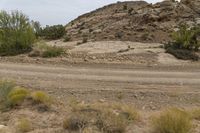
x=185 y=43
x=52 y=32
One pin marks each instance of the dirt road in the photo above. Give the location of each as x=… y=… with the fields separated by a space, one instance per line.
x=149 y=87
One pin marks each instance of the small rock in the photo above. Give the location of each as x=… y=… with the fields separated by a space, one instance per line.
x=94 y=57
x=102 y=100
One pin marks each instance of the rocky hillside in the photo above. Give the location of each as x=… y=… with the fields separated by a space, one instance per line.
x=135 y=21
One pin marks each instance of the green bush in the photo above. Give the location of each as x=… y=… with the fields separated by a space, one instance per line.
x=52 y=32
x=172 y=121
x=67 y=39
x=52 y=51
x=16 y=33
x=185 y=43
x=186 y=38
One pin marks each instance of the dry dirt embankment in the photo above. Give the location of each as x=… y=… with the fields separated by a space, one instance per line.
x=148 y=88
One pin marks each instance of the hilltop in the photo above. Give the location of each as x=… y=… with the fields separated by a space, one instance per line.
x=136 y=21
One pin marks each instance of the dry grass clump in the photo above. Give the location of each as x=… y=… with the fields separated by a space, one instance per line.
x=24 y=125
x=109 y=122
x=195 y=114
x=52 y=51
x=41 y=49
x=127 y=112
x=17 y=96
x=108 y=118
x=41 y=97
x=172 y=121
x=11 y=96
x=76 y=122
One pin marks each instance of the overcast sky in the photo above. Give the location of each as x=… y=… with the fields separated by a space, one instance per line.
x=50 y=12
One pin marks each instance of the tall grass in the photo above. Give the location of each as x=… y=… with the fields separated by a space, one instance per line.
x=172 y=121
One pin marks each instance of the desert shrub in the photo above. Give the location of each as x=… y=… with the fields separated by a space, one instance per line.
x=125 y=7
x=120 y=95
x=145 y=36
x=185 y=43
x=16 y=33
x=186 y=38
x=37 y=28
x=41 y=45
x=5 y=88
x=119 y=35
x=183 y=54
x=35 y=53
x=82 y=28
x=172 y=121
x=24 y=125
x=17 y=96
x=38 y=49
x=40 y=97
x=67 y=39
x=85 y=40
x=52 y=51
x=91 y=30
x=130 y=11
x=52 y=32
x=43 y=50
x=196 y=114
x=111 y=123
x=75 y=122
x=129 y=113
x=107 y=117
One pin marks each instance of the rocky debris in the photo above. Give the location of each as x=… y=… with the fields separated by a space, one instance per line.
x=4 y=129
x=135 y=21
x=193 y=4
